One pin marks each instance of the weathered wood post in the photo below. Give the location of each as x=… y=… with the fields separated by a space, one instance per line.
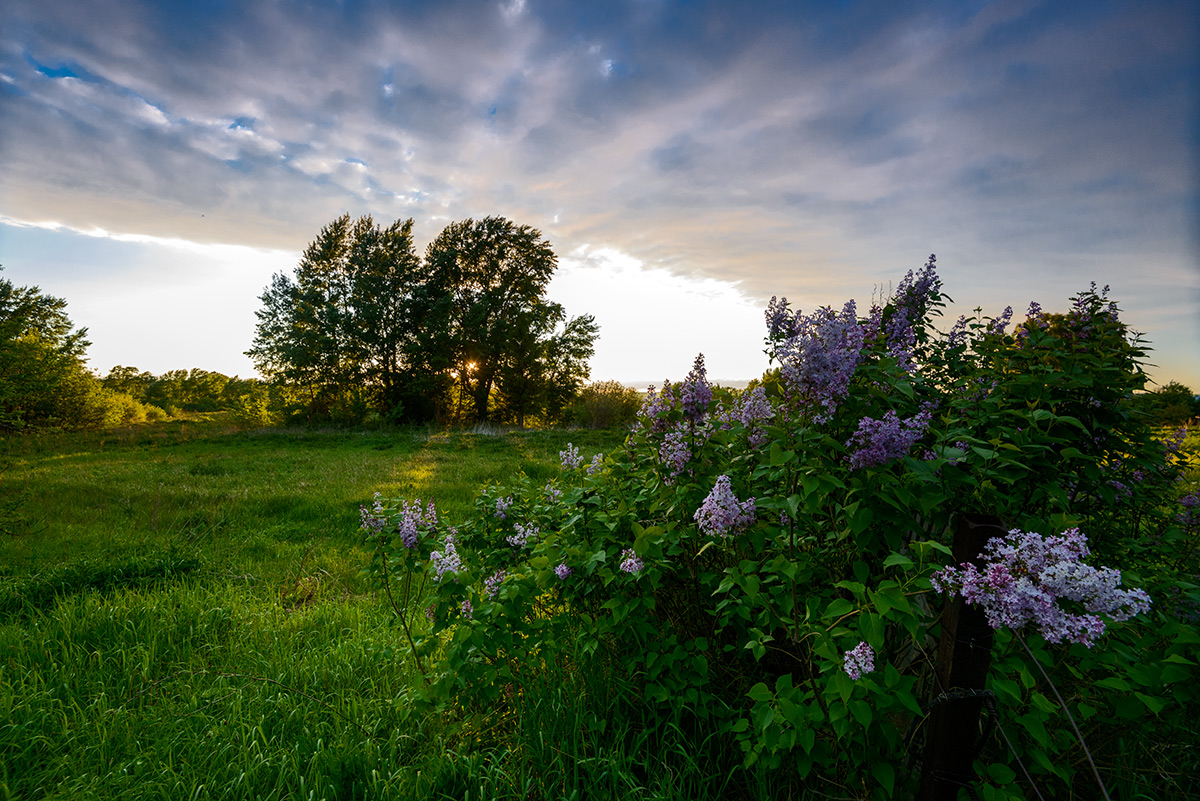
x=964 y=656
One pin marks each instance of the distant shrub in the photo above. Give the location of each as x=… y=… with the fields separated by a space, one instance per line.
x=606 y=404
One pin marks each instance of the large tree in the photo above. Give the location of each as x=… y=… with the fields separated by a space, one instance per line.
x=363 y=314
x=500 y=329
x=340 y=327
x=43 y=381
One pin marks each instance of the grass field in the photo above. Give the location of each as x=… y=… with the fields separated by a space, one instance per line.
x=183 y=614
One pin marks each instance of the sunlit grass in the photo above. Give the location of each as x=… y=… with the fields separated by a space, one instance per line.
x=183 y=614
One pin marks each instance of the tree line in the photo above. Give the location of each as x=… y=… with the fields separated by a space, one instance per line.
x=366 y=327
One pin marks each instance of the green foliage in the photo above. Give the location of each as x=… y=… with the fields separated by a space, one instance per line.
x=606 y=404
x=366 y=328
x=1172 y=405
x=856 y=494
x=182 y=613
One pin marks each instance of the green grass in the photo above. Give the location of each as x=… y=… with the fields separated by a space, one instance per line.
x=183 y=614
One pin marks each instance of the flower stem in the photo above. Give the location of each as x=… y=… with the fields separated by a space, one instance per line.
x=1063 y=704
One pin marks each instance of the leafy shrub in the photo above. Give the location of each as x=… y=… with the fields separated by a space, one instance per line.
x=606 y=404
x=764 y=565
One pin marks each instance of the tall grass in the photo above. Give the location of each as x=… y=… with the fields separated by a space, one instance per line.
x=183 y=614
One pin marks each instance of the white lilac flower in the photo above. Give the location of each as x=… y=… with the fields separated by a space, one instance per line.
x=597 y=464
x=859 y=661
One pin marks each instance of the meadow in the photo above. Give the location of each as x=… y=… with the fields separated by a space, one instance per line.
x=184 y=614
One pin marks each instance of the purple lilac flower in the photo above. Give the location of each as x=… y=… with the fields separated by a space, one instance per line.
x=562 y=571
x=431 y=613
x=1000 y=323
x=597 y=464
x=722 y=514
x=751 y=409
x=1190 y=516
x=523 y=537
x=491 y=584
x=695 y=393
x=859 y=661
x=630 y=563
x=674 y=451
x=958 y=334
x=878 y=442
x=371 y=519
x=467 y=609
x=446 y=560
x=553 y=492
x=819 y=359
x=570 y=457
x=909 y=305
x=412 y=519
x=1024 y=577
x=650 y=416
x=780 y=322
x=1174 y=442
x=502 y=505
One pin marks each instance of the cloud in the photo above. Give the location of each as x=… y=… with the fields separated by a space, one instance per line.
x=790 y=148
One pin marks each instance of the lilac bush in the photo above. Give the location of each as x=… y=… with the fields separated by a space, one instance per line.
x=797 y=623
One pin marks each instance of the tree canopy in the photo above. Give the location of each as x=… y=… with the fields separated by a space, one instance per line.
x=468 y=332
x=43 y=381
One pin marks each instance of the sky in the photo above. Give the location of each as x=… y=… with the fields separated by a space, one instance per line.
x=159 y=161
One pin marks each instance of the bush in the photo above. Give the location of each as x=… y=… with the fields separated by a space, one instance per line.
x=606 y=404
x=765 y=565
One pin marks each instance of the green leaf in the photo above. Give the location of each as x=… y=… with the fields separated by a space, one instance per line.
x=1152 y=703
x=898 y=559
x=837 y=607
x=885 y=774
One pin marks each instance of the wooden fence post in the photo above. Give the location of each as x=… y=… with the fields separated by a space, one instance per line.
x=964 y=656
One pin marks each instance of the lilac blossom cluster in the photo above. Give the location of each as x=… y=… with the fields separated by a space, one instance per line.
x=1190 y=516
x=467 y=609
x=722 y=514
x=446 y=560
x=562 y=571
x=819 y=356
x=999 y=324
x=877 y=442
x=523 y=537
x=909 y=305
x=502 y=505
x=597 y=464
x=651 y=416
x=859 y=661
x=553 y=493
x=371 y=519
x=674 y=451
x=1024 y=577
x=751 y=410
x=491 y=584
x=630 y=563
x=695 y=393
x=570 y=458
x=958 y=332
x=412 y=519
